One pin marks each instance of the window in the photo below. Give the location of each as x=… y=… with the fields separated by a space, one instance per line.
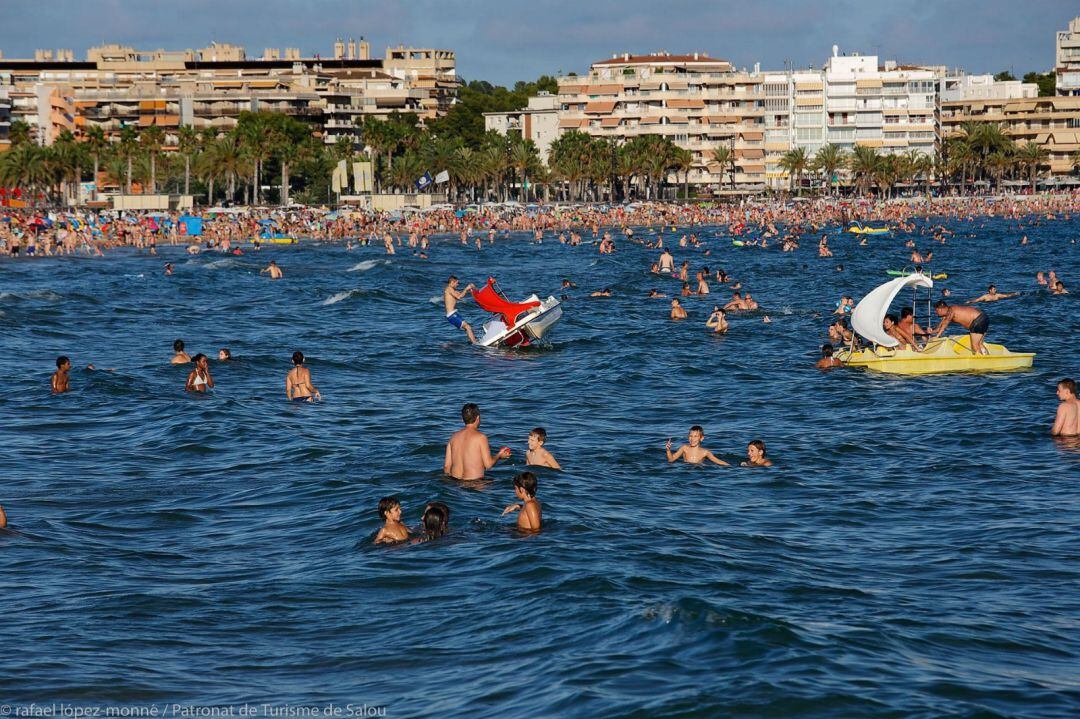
x=804 y=134
x=1073 y=122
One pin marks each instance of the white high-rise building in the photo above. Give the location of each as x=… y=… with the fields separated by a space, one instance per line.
x=1067 y=59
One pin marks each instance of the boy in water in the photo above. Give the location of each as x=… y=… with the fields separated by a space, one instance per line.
x=827 y=360
x=3 y=518
x=60 y=377
x=525 y=490
x=537 y=454
x=393 y=530
x=693 y=452
x=677 y=311
x=1067 y=420
x=755 y=455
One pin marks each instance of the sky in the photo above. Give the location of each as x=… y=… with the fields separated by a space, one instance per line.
x=507 y=40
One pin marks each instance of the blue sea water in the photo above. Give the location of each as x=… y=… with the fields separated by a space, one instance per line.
x=913 y=553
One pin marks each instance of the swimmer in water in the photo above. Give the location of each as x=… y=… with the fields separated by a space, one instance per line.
x=529 y=510
x=606 y=292
x=827 y=360
x=468 y=455
x=693 y=452
x=992 y=295
x=168 y=269
x=179 y=355
x=717 y=321
x=434 y=523
x=199 y=379
x=298 y=387
x=755 y=455
x=1067 y=419
x=60 y=377
x=392 y=530
x=224 y=355
x=656 y=295
x=451 y=295
x=677 y=311
x=537 y=454
x=273 y=270
x=3 y=518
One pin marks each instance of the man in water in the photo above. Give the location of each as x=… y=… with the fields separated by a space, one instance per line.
x=827 y=360
x=60 y=376
x=693 y=452
x=468 y=455
x=667 y=262
x=992 y=295
x=973 y=319
x=1067 y=420
x=273 y=270
x=677 y=311
x=451 y=295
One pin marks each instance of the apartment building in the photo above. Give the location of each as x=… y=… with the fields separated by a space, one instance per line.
x=538 y=122
x=959 y=87
x=118 y=86
x=1067 y=59
x=700 y=103
x=5 y=117
x=1053 y=122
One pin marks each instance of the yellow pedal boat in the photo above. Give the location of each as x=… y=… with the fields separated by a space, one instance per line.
x=951 y=353
x=943 y=354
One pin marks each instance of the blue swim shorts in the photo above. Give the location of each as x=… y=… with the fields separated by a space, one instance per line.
x=455 y=320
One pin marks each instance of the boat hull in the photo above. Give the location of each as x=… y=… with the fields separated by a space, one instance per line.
x=529 y=328
x=942 y=355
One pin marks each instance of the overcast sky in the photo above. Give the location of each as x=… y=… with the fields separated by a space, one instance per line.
x=507 y=40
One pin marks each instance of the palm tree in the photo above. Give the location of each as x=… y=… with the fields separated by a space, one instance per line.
x=863 y=163
x=152 y=139
x=19 y=133
x=683 y=161
x=1032 y=156
x=523 y=157
x=256 y=135
x=1075 y=159
x=828 y=160
x=795 y=162
x=188 y=145
x=226 y=158
x=126 y=150
x=723 y=156
x=97 y=143
x=24 y=165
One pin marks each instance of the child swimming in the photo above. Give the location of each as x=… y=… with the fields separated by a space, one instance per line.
x=393 y=530
x=537 y=454
x=693 y=452
x=755 y=455
x=525 y=490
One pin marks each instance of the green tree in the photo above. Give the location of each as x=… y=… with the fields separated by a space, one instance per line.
x=1047 y=82
x=152 y=139
x=97 y=144
x=723 y=156
x=795 y=163
x=828 y=160
x=1032 y=156
x=864 y=163
x=19 y=133
x=1004 y=76
x=126 y=150
x=188 y=145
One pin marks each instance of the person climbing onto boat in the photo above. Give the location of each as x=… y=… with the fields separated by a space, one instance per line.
x=971 y=318
x=451 y=295
x=893 y=328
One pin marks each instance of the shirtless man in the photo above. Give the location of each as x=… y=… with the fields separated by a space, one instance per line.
x=992 y=295
x=827 y=360
x=667 y=262
x=60 y=376
x=1067 y=420
x=273 y=270
x=677 y=311
x=750 y=303
x=298 y=387
x=468 y=455
x=736 y=303
x=451 y=295
x=973 y=319
x=893 y=328
x=693 y=452
x=717 y=321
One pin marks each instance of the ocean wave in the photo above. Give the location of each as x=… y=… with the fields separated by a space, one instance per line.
x=367 y=265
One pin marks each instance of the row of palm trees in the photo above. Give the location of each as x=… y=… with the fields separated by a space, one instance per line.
x=977 y=153
x=579 y=167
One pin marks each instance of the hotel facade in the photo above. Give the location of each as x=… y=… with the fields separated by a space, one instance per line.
x=118 y=86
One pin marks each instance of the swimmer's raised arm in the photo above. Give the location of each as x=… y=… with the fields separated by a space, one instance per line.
x=510 y=508
x=673 y=457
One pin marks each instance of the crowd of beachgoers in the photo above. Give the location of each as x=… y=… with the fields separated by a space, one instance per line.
x=41 y=232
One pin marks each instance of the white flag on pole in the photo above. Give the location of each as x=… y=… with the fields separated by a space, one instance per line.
x=442 y=177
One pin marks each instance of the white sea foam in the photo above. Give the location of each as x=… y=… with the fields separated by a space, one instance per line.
x=367 y=265
x=334 y=299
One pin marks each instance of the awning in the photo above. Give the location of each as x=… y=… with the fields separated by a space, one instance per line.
x=752 y=135
x=650 y=121
x=868 y=83
x=604 y=90
x=609 y=122
x=571 y=122
x=687 y=104
x=599 y=108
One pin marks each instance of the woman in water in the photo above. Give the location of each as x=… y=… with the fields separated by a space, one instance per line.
x=199 y=380
x=298 y=387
